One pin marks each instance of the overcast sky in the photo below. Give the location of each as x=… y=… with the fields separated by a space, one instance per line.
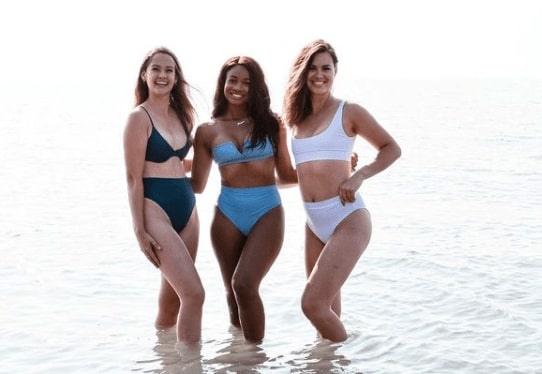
x=103 y=41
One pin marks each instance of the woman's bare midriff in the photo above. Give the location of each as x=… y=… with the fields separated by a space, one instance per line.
x=172 y=168
x=320 y=180
x=249 y=174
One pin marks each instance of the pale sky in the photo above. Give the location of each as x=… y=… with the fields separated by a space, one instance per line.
x=103 y=41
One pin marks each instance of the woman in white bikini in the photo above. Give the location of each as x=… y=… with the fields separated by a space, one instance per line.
x=338 y=230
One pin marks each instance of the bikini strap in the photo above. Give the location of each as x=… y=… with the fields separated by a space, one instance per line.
x=148 y=114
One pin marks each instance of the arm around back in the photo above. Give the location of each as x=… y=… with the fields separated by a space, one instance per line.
x=203 y=158
x=286 y=173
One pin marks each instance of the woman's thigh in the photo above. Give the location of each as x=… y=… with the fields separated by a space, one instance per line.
x=176 y=262
x=340 y=254
x=227 y=243
x=262 y=245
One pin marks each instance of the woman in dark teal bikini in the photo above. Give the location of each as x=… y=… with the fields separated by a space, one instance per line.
x=156 y=141
x=248 y=142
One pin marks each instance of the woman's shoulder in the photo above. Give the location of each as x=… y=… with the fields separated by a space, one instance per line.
x=354 y=108
x=357 y=118
x=136 y=111
x=208 y=128
x=212 y=124
x=138 y=118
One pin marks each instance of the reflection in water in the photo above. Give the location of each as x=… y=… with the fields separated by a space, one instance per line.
x=238 y=356
x=235 y=356
x=322 y=358
x=176 y=357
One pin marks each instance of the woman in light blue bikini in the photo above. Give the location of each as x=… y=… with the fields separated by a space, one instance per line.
x=338 y=227
x=157 y=139
x=248 y=142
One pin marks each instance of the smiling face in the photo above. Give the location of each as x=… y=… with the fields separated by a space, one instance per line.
x=160 y=74
x=321 y=73
x=237 y=85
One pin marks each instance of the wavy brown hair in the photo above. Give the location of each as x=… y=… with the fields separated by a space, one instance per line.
x=180 y=94
x=297 y=101
x=266 y=123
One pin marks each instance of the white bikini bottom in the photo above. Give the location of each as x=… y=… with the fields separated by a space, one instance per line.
x=324 y=216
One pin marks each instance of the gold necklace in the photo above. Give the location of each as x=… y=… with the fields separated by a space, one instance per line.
x=238 y=121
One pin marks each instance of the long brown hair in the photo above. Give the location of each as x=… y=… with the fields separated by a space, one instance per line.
x=180 y=94
x=266 y=123
x=297 y=103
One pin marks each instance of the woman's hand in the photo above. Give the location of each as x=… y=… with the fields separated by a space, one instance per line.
x=348 y=189
x=354 y=161
x=187 y=164
x=149 y=246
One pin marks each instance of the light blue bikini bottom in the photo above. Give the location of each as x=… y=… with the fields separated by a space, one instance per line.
x=245 y=206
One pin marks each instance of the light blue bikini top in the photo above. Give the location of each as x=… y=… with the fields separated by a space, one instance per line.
x=226 y=153
x=331 y=144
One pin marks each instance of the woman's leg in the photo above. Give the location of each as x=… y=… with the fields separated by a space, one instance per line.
x=168 y=302
x=177 y=267
x=314 y=247
x=329 y=268
x=259 y=253
x=168 y=305
x=227 y=243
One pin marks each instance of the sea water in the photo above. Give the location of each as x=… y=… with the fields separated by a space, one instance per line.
x=449 y=283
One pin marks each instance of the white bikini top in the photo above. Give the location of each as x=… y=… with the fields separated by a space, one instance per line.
x=331 y=144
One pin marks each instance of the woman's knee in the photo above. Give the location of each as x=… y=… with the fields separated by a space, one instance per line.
x=243 y=287
x=195 y=296
x=312 y=305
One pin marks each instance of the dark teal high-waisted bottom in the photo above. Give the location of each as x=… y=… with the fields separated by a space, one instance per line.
x=174 y=195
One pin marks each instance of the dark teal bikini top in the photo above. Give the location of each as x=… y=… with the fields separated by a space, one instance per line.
x=159 y=150
x=226 y=153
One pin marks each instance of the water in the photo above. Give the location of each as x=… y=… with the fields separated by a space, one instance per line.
x=450 y=282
